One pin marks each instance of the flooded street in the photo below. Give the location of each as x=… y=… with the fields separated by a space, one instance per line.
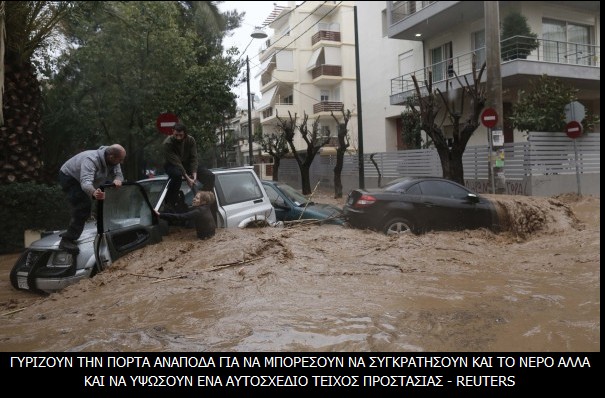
x=534 y=288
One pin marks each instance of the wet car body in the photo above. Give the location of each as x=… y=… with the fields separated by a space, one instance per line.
x=291 y=205
x=419 y=204
x=126 y=221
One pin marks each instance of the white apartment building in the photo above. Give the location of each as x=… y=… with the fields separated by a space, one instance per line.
x=402 y=38
x=308 y=67
x=308 y=64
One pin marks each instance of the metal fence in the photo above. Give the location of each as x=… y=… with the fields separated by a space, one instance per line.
x=544 y=159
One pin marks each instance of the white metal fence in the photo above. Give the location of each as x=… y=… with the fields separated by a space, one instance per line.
x=544 y=165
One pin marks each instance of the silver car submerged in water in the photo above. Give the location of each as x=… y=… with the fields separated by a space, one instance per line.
x=126 y=221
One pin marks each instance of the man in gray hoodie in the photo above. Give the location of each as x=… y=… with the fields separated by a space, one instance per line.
x=80 y=178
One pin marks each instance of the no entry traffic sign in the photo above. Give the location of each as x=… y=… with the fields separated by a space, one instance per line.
x=573 y=129
x=165 y=122
x=489 y=118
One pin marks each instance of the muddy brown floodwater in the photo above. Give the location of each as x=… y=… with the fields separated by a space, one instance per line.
x=535 y=287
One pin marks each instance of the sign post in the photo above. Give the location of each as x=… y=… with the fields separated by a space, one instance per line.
x=489 y=118
x=573 y=130
x=165 y=122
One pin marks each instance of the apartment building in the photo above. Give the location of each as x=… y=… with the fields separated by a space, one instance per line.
x=440 y=35
x=308 y=67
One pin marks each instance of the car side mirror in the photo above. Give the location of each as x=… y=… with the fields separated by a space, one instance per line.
x=471 y=197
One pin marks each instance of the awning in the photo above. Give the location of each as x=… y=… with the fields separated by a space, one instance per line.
x=267 y=98
x=263 y=67
x=332 y=55
x=313 y=61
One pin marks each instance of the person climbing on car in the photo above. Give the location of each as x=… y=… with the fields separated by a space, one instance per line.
x=180 y=157
x=200 y=213
x=80 y=178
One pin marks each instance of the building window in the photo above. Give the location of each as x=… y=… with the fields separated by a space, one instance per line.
x=441 y=58
x=566 y=42
x=478 y=46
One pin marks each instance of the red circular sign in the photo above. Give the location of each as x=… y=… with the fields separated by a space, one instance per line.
x=165 y=122
x=489 y=117
x=573 y=129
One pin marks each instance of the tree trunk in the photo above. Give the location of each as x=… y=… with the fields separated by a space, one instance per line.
x=451 y=165
x=276 y=162
x=20 y=136
x=306 y=180
x=337 y=173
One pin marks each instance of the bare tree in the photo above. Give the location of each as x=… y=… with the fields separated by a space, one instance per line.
x=341 y=149
x=463 y=125
x=314 y=143
x=274 y=144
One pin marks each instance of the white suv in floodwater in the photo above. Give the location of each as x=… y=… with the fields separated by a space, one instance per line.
x=126 y=221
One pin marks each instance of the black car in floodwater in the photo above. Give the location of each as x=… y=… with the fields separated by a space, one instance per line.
x=419 y=204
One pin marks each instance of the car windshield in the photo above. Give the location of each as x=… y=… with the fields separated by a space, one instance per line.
x=292 y=194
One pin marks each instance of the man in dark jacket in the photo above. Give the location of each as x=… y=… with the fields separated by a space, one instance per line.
x=180 y=156
x=200 y=213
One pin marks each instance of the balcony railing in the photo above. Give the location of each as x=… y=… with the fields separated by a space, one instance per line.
x=327 y=106
x=515 y=48
x=326 y=70
x=325 y=35
x=403 y=9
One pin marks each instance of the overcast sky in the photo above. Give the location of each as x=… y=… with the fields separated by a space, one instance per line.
x=256 y=13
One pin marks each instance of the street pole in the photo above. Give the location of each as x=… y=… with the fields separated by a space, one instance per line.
x=359 y=115
x=491 y=11
x=250 y=154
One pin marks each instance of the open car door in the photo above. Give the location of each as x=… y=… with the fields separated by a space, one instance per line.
x=125 y=222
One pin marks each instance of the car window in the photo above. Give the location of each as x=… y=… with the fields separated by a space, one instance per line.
x=237 y=187
x=154 y=188
x=292 y=194
x=414 y=190
x=125 y=206
x=443 y=189
x=271 y=193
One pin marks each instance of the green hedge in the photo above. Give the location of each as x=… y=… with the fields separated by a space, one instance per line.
x=29 y=206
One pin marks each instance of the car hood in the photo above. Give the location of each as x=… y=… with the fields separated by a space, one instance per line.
x=320 y=210
x=52 y=241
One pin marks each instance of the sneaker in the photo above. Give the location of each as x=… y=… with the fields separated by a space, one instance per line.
x=69 y=246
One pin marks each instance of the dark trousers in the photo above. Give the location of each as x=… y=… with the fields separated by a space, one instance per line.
x=81 y=205
x=174 y=182
x=204 y=176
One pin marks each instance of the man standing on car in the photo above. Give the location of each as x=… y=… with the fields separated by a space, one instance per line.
x=180 y=156
x=80 y=178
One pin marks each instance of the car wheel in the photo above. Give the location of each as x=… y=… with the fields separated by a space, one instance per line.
x=396 y=226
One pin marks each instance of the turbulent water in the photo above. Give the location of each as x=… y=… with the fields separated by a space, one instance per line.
x=533 y=287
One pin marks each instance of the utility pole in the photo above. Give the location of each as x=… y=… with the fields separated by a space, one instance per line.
x=491 y=11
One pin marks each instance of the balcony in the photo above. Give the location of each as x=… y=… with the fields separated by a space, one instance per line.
x=429 y=19
x=325 y=35
x=578 y=64
x=327 y=106
x=326 y=70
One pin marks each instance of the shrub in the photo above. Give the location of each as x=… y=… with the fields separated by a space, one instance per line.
x=29 y=206
x=542 y=107
x=518 y=41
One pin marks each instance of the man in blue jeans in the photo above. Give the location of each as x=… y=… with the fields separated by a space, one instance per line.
x=180 y=155
x=80 y=178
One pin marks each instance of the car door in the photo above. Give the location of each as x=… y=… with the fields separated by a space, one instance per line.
x=126 y=222
x=447 y=205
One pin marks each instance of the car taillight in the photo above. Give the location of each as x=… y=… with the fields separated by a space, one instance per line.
x=364 y=201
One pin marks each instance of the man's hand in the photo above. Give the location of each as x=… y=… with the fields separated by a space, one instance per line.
x=190 y=181
x=117 y=183
x=98 y=194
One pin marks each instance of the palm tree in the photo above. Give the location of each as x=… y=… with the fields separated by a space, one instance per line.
x=24 y=27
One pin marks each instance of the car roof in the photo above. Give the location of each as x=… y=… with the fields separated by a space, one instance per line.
x=214 y=171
